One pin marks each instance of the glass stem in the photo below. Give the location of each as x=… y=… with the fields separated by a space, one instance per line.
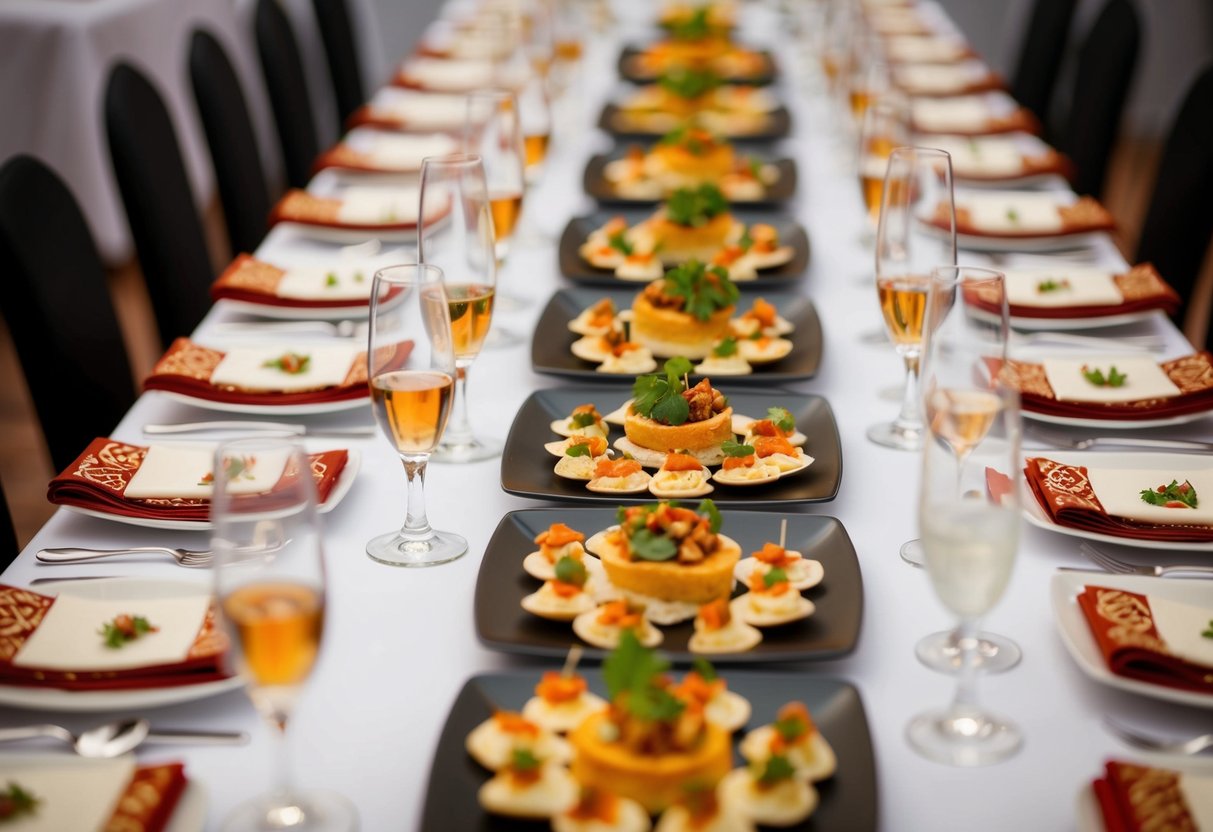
x=283 y=763
x=459 y=428
x=908 y=418
x=416 y=524
x=966 y=685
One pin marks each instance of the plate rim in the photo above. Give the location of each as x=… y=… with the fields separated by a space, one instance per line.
x=309 y=409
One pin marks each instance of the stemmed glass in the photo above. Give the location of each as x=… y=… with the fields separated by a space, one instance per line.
x=411 y=371
x=968 y=519
x=916 y=233
x=492 y=130
x=884 y=127
x=461 y=243
x=270 y=589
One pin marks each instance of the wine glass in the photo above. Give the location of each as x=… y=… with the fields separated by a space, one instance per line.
x=885 y=125
x=411 y=371
x=270 y=591
x=968 y=519
x=492 y=130
x=916 y=233
x=461 y=243
x=869 y=75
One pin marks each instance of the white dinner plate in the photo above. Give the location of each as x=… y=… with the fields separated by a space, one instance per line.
x=1092 y=322
x=352 y=236
x=1117 y=424
x=1052 y=242
x=97 y=701
x=297 y=313
x=1034 y=514
x=1076 y=633
x=345 y=481
x=270 y=409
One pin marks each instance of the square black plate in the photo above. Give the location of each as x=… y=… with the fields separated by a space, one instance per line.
x=526 y=468
x=848 y=799
x=758 y=79
x=575 y=268
x=779 y=125
x=831 y=632
x=551 y=340
x=781 y=190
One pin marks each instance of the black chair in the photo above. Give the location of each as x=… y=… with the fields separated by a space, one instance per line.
x=337 y=32
x=1101 y=85
x=283 y=68
x=1044 y=45
x=59 y=311
x=9 y=549
x=229 y=133
x=159 y=202
x=1179 y=221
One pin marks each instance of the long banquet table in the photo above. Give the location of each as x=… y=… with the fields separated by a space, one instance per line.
x=400 y=643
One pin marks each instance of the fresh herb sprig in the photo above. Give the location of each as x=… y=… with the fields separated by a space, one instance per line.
x=1114 y=377
x=726 y=348
x=704 y=290
x=695 y=207
x=1208 y=631
x=781 y=418
x=631 y=673
x=659 y=395
x=776 y=769
x=124 y=629
x=689 y=83
x=1175 y=495
x=15 y=801
x=731 y=448
x=693 y=27
x=292 y=363
x=620 y=243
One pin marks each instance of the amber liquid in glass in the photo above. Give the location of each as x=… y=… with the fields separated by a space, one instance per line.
x=536 y=148
x=278 y=626
x=505 y=209
x=903 y=302
x=413 y=407
x=568 y=50
x=471 y=313
x=962 y=417
x=860 y=99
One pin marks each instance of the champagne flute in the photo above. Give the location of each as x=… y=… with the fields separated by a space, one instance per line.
x=411 y=369
x=461 y=244
x=270 y=590
x=969 y=524
x=869 y=78
x=917 y=188
x=492 y=130
x=885 y=126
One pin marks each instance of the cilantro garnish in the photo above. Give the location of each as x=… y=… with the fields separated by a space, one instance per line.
x=1208 y=632
x=524 y=759
x=708 y=673
x=1114 y=378
x=1051 y=285
x=1012 y=215
x=16 y=801
x=781 y=417
x=714 y=519
x=695 y=206
x=694 y=27
x=583 y=419
x=620 y=243
x=1168 y=495
x=774 y=576
x=689 y=83
x=330 y=280
x=631 y=673
x=659 y=396
x=725 y=348
x=580 y=449
x=755 y=167
x=731 y=448
x=646 y=545
x=790 y=729
x=746 y=241
x=292 y=363
x=124 y=629
x=704 y=290
x=571 y=571
x=776 y=768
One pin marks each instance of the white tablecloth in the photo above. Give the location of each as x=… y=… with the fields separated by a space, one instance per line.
x=400 y=643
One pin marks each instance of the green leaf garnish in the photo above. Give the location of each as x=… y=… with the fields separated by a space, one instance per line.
x=755 y=167
x=708 y=508
x=292 y=363
x=689 y=83
x=694 y=27
x=645 y=545
x=524 y=759
x=671 y=410
x=583 y=419
x=1208 y=631
x=620 y=243
x=659 y=395
x=775 y=769
x=1169 y=496
x=725 y=348
x=1050 y=285
x=789 y=729
x=781 y=417
x=746 y=242
x=774 y=576
x=708 y=673
x=359 y=277
x=1012 y=215
x=731 y=448
x=1114 y=378
x=124 y=629
x=16 y=801
x=571 y=571
x=633 y=670
x=695 y=206
x=330 y=280
x=704 y=290
x=580 y=449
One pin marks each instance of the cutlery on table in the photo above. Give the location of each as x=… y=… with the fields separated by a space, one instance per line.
x=1081 y=444
x=116 y=738
x=1129 y=736
x=275 y=427
x=185 y=557
x=1120 y=567
x=340 y=329
x=1121 y=343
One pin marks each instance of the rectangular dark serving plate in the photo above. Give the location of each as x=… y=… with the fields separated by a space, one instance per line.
x=758 y=79
x=831 y=632
x=577 y=269
x=849 y=799
x=551 y=340
x=596 y=185
x=526 y=468
x=779 y=125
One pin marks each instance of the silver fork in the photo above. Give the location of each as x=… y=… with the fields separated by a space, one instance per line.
x=1129 y=736
x=1063 y=441
x=1132 y=343
x=1120 y=567
x=191 y=558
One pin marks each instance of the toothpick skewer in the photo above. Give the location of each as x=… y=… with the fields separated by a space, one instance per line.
x=571 y=660
x=783 y=533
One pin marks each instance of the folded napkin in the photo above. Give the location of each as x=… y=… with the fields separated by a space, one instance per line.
x=100 y=477
x=253 y=281
x=1134 y=798
x=972 y=115
x=394 y=108
x=1153 y=640
x=449 y=76
x=992 y=158
x=1191 y=377
x=57 y=642
x=946 y=79
x=385 y=152
x=360 y=209
x=1068 y=292
x=925 y=49
x=96 y=795
x=1021 y=214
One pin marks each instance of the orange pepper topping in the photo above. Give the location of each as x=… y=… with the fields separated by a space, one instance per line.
x=763 y=312
x=556 y=687
x=601 y=314
x=558 y=534
x=715 y=614
x=773 y=554
x=682 y=462
x=615 y=225
x=695 y=688
x=639 y=257
x=765 y=427
x=512 y=722
x=616 y=467
x=765 y=446
x=727 y=256
x=596 y=445
x=619 y=614
x=564 y=590
x=758 y=584
x=595 y=804
x=733 y=462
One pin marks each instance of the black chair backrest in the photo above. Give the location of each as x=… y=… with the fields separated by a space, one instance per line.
x=59 y=311
x=159 y=202
x=9 y=549
x=337 y=32
x=283 y=68
x=1101 y=85
x=229 y=133
x=1179 y=221
x=1044 y=45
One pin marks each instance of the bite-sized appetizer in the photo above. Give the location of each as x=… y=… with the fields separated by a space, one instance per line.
x=803 y=573
x=778 y=423
x=618 y=476
x=529 y=786
x=680 y=476
x=585 y=420
x=724 y=360
x=598 y=319
x=603 y=627
x=601 y=811
x=561 y=702
x=761 y=317
x=770 y=793
x=560 y=448
x=493 y=742
x=764 y=349
x=732 y=259
x=701 y=810
x=795 y=736
x=764 y=249
x=771 y=601
x=564 y=597
x=741 y=466
x=686 y=312
x=628 y=358
x=581 y=456
x=666 y=416
x=721 y=706
x=556 y=542
x=717 y=630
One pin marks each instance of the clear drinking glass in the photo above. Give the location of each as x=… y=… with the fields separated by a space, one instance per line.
x=885 y=126
x=869 y=75
x=462 y=245
x=492 y=130
x=270 y=590
x=916 y=233
x=411 y=371
x=968 y=519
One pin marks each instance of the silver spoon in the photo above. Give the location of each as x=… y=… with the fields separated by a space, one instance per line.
x=114 y=739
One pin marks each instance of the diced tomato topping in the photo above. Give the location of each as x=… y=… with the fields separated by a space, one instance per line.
x=761 y=232
x=1176 y=504
x=766 y=446
x=715 y=614
x=556 y=687
x=765 y=427
x=616 y=467
x=639 y=258
x=624 y=346
x=604 y=251
x=558 y=534
x=758 y=584
x=512 y=722
x=798 y=711
x=694 y=687
x=763 y=312
x=773 y=554
x=733 y=462
x=596 y=805
x=596 y=445
x=564 y=590
x=619 y=614
x=682 y=462
x=727 y=256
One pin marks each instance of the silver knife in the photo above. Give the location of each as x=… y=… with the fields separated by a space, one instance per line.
x=275 y=427
x=1146 y=442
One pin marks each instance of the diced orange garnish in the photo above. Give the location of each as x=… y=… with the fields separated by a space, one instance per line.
x=681 y=462
x=763 y=312
x=619 y=614
x=758 y=584
x=616 y=467
x=596 y=445
x=590 y=408
x=763 y=246
x=596 y=805
x=604 y=251
x=601 y=314
x=558 y=534
x=639 y=258
x=512 y=722
x=765 y=446
x=772 y=553
x=733 y=462
x=798 y=711
x=615 y=225
x=761 y=232
x=563 y=590
x=694 y=687
x=727 y=256
x=765 y=427
x=715 y=614
x=624 y=346
x=556 y=687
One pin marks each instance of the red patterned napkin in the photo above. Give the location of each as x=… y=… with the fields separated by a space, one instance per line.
x=1065 y=494
x=253 y=281
x=22 y=611
x=1142 y=286
x=148 y=803
x=1135 y=798
x=100 y=475
x=1125 y=630
x=308 y=209
x=1192 y=374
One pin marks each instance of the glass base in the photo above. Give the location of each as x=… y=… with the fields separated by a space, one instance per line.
x=994 y=654
x=912 y=553
x=394 y=550
x=963 y=736
x=500 y=338
x=312 y=812
x=893 y=435
x=474 y=450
